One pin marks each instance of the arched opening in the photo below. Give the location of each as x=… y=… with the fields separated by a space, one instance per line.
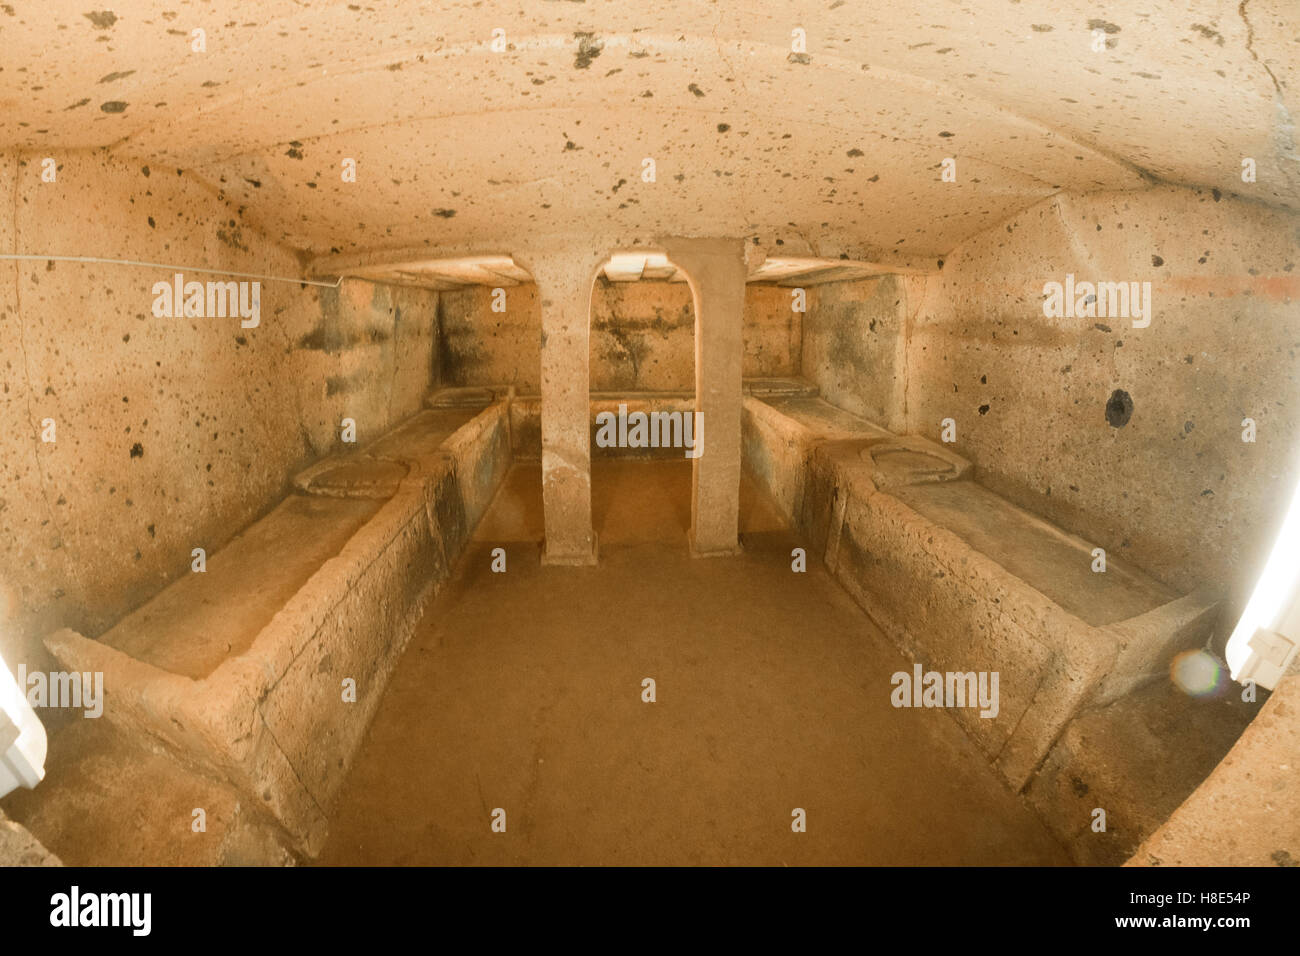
x=642 y=368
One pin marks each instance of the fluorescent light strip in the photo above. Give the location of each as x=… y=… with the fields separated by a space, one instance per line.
x=1274 y=591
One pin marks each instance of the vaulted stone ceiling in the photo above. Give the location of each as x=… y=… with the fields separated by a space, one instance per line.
x=834 y=152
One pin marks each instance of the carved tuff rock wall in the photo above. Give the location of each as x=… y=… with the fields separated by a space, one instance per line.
x=930 y=169
x=642 y=336
x=1131 y=437
x=171 y=433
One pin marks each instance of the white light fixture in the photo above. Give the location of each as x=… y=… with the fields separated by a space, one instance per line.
x=22 y=737
x=1266 y=638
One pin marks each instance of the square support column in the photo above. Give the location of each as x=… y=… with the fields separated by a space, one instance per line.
x=564 y=277
x=716 y=270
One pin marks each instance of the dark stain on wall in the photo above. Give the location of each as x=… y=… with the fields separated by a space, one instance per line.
x=327 y=335
x=346 y=384
x=460 y=351
x=331 y=334
x=625 y=350
x=635 y=348
x=232 y=236
x=589 y=47
x=1119 y=408
x=101 y=19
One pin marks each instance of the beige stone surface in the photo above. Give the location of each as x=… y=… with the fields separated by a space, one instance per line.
x=716 y=270
x=655 y=189
x=1247 y=812
x=268 y=711
x=453 y=139
x=19 y=848
x=110 y=800
x=963 y=580
x=171 y=434
x=1136 y=759
x=1174 y=489
x=642 y=336
x=748 y=723
x=855 y=347
x=564 y=277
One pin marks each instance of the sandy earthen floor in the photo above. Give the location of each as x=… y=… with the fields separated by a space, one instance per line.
x=523 y=690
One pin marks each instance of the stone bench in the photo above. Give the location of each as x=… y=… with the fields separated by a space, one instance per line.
x=963 y=580
x=241 y=669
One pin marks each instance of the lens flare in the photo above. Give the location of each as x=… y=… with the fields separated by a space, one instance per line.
x=1196 y=673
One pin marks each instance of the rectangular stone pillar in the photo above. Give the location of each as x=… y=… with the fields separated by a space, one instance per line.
x=716 y=271
x=564 y=277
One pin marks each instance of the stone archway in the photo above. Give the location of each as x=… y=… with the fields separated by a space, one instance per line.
x=565 y=275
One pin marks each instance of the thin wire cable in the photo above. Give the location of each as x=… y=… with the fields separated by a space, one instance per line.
x=163 y=265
